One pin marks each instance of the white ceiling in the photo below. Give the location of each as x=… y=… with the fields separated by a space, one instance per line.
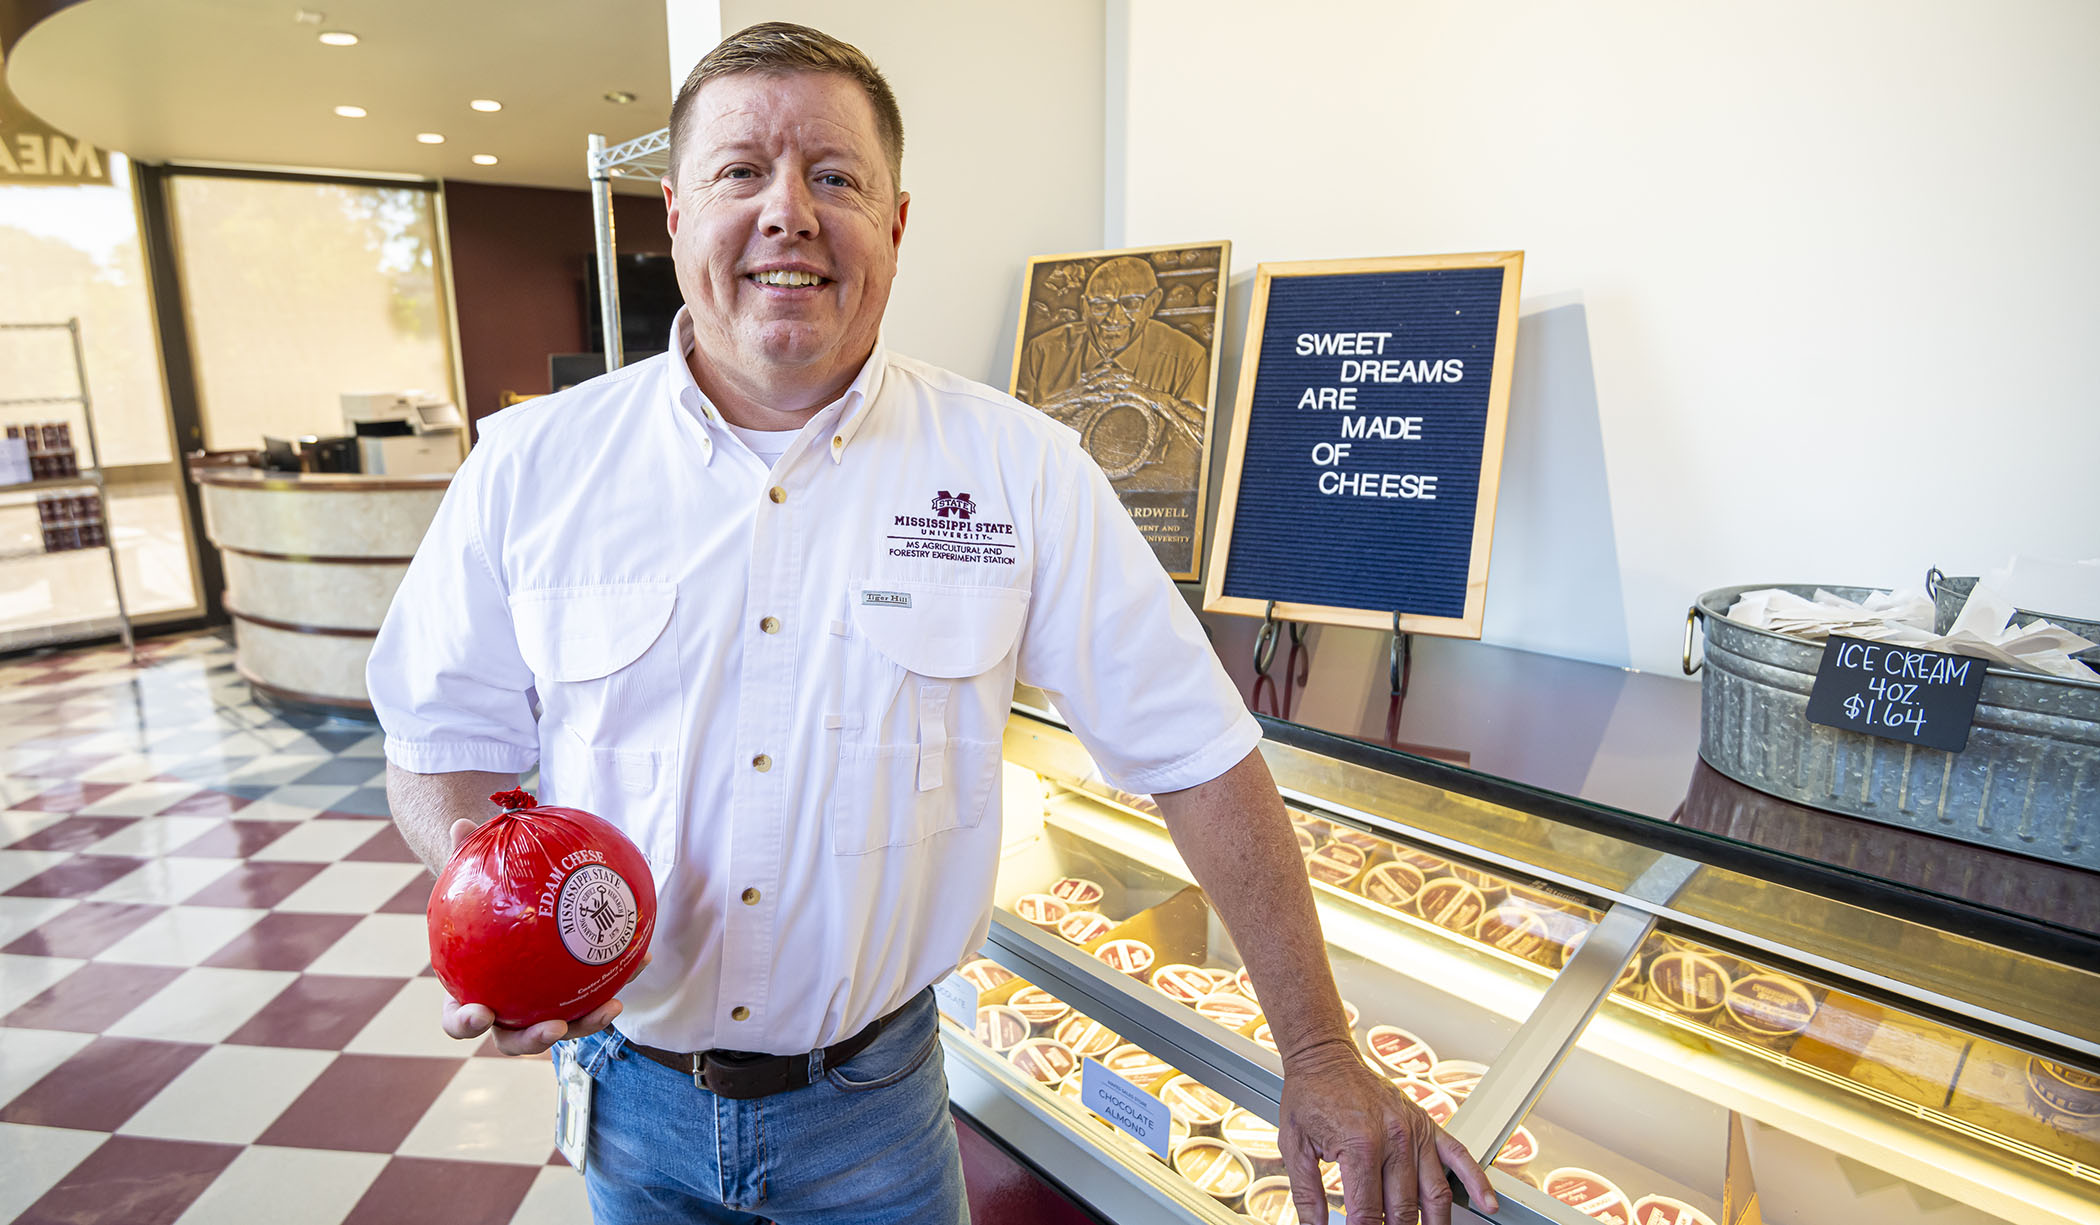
x=244 y=81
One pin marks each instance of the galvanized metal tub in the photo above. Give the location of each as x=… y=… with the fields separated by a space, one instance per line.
x=1949 y=594
x=2028 y=782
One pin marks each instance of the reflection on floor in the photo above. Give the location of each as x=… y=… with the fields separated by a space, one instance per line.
x=70 y=593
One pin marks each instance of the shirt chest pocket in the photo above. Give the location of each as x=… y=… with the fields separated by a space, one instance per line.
x=926 y=694
x=607 y=675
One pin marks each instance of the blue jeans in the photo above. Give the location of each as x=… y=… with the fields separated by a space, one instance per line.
x=869 y=1142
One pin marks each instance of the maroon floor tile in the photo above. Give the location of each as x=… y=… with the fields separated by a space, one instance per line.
x=233 y=840
x=283 y=942
x=83 y=931
x=366 y=1103
x=92 y=998
x=75 y=877
x=318 y=1012
x=66 y=797
x=102 y=1085
x=385 y=846
x=134 y=1180
x=206 y=803
x=455 y=1192
x=70 y=834
x=255 y=886
x=414 y=897
x=555 y=1158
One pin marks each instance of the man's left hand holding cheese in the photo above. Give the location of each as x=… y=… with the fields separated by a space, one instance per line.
x=761 y=603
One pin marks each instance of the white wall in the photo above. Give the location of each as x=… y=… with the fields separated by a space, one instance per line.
x=1809 y=286
x=1002 y=154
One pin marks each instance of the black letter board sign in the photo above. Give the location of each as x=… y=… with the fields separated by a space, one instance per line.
x=1367 y=446
x=1897 y=693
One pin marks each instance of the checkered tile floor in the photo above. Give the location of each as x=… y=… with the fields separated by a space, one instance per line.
x=215 y=1000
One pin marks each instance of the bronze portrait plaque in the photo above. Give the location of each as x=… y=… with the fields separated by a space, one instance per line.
x=1122 y=346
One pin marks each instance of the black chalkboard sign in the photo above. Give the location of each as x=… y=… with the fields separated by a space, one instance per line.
x=1897 y=693
x=1361 y=475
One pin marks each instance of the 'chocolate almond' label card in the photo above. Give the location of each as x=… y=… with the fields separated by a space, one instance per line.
x=1141 y=1116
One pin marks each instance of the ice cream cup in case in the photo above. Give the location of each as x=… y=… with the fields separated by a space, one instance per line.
x=1078 y=891
x=1520 y=1150
x=1456 y=1076
x=2073 y=1091
x=1269 y=1201
x=1181 y=982
x=1662 y=1210
x=1690 y=984
x=1138 y=1066
x=1629 y=981
x=1264 y=1036
x=1087 y=1037
x=1308 y=842
x=1337 y=863
x=1194 y=1102
x=1590 y=1193
x=1046 y=1061
x=1400 y=1053
x=1393 y=885
x=1362 y=840
x=1071 y=1089
x=1085 y=926
x=986 y=974
x=1515 y=928
x=1490 y=885
x=1133 y=957
x=1350 y=1014
x=1252 y=1135
x=1215 y=1167
x=1042 y=909
x=1769 y=1006
x=1001 y=1028
x=1244 y=984
x=1042 y=1009
x=1222 y=980
x=1423 y=861
x=1452 y=904
x=1229 y=1008
x=1435 y=1103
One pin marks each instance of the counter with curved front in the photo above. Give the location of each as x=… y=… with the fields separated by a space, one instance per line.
x=311 y=563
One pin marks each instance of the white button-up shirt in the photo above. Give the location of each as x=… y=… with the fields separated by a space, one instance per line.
x=788 y=686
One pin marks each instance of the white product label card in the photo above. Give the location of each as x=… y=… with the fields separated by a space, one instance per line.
x=572 y=1108
x=957 y=996
x=1142 y=1117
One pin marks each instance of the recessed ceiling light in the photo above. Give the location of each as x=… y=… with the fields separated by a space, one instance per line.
x=351 y=112
x=431 y=138
x=339 y=38
x=486 y=104
x=484 y=159
x=620 y=96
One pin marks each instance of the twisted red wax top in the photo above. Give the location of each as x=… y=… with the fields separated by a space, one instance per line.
x=514 y=799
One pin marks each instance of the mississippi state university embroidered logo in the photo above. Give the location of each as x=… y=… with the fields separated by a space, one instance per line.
x=953 y=532
x=597 y=914
x=957 y=504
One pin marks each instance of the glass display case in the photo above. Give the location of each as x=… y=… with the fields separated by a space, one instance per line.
x=1639 y=1024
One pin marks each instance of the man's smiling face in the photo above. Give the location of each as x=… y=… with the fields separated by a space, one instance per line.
x=785 y=222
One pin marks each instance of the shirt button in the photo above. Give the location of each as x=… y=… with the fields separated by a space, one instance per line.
x=761 y=763
x=750 y=897
x=777 y=494
x=770 y=625
x=837 y=441
x=740 y=1013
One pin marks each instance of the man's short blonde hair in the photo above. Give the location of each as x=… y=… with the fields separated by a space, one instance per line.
x=781 y=48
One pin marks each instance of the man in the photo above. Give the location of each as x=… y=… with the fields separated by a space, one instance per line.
x=735 y=581
x=1116 y=331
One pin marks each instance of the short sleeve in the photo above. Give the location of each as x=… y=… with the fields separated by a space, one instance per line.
x=1111 y=640
x=445 y=676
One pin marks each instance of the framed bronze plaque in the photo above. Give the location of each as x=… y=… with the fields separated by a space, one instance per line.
x=1122 y=346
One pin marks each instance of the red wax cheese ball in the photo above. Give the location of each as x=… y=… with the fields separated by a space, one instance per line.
x=542 y=915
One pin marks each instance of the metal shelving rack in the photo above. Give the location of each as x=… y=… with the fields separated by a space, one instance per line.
x=643 y=157
x=90 y=477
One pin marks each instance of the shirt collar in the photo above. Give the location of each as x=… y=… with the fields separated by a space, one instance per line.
x=846 y=414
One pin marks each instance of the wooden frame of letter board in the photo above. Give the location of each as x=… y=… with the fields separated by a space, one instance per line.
x=1466 y=626
x=1210 y=399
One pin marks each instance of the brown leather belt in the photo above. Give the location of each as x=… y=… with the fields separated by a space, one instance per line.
x=742 y=1075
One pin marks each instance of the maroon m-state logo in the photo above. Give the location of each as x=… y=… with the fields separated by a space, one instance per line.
x=957 y=504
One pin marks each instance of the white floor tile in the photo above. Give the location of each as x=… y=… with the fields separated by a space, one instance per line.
x=320 y=842
x=204 y=1005
x=18 y=866
x=380 y=946
x=315 y=797
x=557 y=1198
x=271 y=810
x=184 y=936
x=35 y=1158
x=24 y=978
x=230 y=1095
x=140 y=800
x=26 y=1057
x=21 y=914
x=350 y=888
x=16 y=825
x=494 y=1110
x=165 y=881
x=371 y=746
x=277 y=769
x=152 y=835
x=289 y=1186
x=408 y=1025
x=131 y=767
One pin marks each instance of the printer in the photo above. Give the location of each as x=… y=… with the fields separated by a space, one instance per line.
x=403 y=433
